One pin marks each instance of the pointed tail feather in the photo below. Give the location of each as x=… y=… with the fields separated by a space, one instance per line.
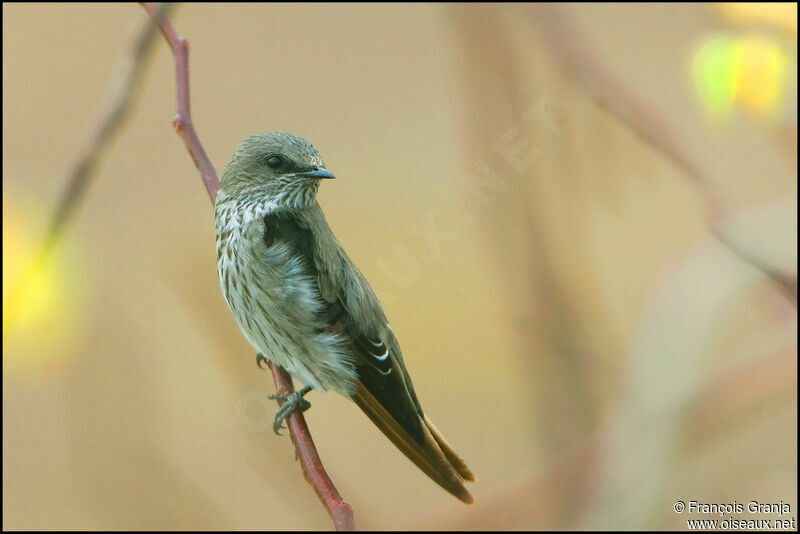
x=455 y=460
x=435 y=457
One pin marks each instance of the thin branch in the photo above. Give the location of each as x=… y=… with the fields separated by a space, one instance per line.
x=127 y=79
x=493 y=72
x=315 y=474
x=183 y=119
x=786 y=282
x=578 y=61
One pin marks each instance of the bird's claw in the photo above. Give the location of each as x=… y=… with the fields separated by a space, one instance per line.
x=288 y=404
x=260 y=358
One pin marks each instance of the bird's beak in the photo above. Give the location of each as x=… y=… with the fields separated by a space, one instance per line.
x=322 y=172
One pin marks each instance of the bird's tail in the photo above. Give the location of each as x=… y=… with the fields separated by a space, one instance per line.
x=435 y=456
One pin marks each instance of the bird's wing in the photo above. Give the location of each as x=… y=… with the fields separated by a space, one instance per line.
x=380 y=371
x=384 y=390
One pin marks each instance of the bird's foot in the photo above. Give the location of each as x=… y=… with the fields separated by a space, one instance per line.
x=260 y=358
x=288 y=404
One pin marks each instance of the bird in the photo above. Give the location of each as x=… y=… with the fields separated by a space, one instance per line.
x=303 y=304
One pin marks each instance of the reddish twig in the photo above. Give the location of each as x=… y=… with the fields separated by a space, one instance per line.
x=314 y=472
x=183 y=119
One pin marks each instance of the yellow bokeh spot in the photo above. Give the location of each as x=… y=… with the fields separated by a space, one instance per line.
x=749 y=71
x=760 y=74
x=41 y=308
x=33 y=301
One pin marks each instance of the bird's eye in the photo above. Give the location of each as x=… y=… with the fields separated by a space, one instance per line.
x=275 y=161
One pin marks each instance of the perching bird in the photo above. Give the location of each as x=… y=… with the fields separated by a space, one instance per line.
x=303 y=304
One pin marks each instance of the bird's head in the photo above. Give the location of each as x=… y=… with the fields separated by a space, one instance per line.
x=276 y=167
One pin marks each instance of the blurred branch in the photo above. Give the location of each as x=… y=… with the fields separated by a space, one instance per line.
x=314 y=472
x=787 y=282
x=127 y=79
x=551 y=327
x=743 y=394
x=576 y=58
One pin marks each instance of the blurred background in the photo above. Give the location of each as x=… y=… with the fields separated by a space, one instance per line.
x=581 y=221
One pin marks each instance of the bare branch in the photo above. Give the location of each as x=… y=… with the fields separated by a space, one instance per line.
x=315 y=474
x=183 y=119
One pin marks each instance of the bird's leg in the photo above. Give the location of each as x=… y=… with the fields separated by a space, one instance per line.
x=288 y=404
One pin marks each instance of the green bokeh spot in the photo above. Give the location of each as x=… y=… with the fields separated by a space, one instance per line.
x=714 y=76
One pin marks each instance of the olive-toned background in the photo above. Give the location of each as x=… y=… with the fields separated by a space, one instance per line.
x=570 y=323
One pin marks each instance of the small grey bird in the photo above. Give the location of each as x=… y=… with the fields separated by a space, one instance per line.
x=303 y=304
